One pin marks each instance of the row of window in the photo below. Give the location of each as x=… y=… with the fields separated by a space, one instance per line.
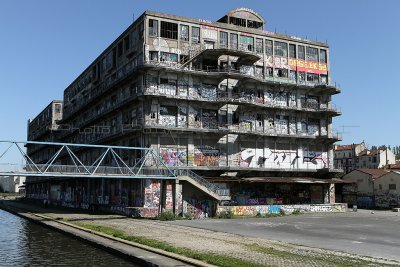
x=170 y=30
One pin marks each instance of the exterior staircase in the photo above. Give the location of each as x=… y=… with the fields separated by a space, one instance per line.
x=202 y=184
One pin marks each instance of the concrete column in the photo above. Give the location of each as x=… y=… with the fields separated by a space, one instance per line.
x=178 y=200
x=190 y=150
x=332 y=193
x=329 y=194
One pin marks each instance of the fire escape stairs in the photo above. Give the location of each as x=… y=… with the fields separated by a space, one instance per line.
x=202 y=184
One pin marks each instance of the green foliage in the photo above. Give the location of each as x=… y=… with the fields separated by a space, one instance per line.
x=226 y=214
x=167 y=216
x=282 y=212
x=296 y=212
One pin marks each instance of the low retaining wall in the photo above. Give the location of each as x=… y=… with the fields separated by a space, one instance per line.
x=274 y=209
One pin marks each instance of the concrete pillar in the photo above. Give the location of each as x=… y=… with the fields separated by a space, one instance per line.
x=190 y=152
x=329 y=193
x=178 y=200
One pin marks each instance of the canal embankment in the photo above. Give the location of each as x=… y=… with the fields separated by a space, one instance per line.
x=137 y=253
x=208 y=247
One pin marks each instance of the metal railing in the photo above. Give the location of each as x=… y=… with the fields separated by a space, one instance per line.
x=210 y=186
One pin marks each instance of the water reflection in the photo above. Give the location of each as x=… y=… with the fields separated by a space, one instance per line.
x=23 y=243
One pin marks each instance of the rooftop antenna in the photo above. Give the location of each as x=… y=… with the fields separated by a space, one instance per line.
x=133 y=17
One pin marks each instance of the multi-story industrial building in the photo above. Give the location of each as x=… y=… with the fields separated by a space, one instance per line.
x=247 y=109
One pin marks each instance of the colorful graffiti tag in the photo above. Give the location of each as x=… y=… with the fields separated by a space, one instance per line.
x=206 y=156
x=275 y=209
x=173 y=157
x=307 y=66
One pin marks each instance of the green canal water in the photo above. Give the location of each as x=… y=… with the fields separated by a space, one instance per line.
x=23 y=243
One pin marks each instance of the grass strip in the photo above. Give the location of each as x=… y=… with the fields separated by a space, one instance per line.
x=214 y=259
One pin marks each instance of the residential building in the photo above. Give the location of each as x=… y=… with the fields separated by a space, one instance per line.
x=387 y=190
x=247 y=109
x=12 y=184
x=357 y=156
x=346 y=156
x=376 y=158
x=362 y=190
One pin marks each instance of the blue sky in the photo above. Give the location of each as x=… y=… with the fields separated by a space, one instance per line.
x=46 y=44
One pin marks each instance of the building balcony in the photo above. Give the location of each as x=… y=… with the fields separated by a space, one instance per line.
x=207 y=94
x=246 y=72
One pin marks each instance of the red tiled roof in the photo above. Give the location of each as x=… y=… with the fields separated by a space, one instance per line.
x=345 y=147
x=394 y=166
x=367 y=152
x=375 y=173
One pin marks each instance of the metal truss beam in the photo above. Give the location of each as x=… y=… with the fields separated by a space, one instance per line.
x=116 y=167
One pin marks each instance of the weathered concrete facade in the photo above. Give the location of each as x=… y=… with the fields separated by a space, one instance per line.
x=227 y=100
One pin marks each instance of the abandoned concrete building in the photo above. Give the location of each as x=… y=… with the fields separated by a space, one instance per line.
x=248 y=110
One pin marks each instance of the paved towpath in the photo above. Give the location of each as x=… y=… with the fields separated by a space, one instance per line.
x=374 y=234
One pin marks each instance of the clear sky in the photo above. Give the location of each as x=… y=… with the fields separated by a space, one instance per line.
x=46 y=44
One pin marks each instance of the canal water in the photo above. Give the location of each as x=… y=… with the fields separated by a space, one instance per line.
x=23 y=243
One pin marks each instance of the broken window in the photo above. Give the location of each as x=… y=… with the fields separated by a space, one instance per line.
x=223 y=39
x=184 y=32
x=292 y=51
x=223 y=117
x=311 y=77
x=120 y=49
x=234 y=41
x=247 y=43
x=134 y=38
x=281 y=73
x=322 y=56
x=269 y=72
x=259 y=46
x=168 y=57
x=153 y=28
x=281 y=49
x=195 y=35
x=108 y=61
x=57 y=108
x=324 y=79
x=269 y=47
x=292 y=75
x=237 y=21
x=302 y=76
x=127 y=43
x=301 y=52
x=153 y=55
x=254 y=24
x=312 y=54
x=169 y=30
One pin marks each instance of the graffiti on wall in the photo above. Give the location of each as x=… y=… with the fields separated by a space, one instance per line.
x=277 y=62
x=387 y=200
x=173 y=156
x=206 y=156
x=275 y=209
x=307 y=66
x=168 y=197
x=152 y=194
x=198 y=209
x=316 y=157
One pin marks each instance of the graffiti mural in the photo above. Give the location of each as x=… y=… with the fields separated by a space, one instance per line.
x=152 y=194
x=308 y=66
x=276 y=209
x=168 y=197
x=206 y=156
x=173 y=156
